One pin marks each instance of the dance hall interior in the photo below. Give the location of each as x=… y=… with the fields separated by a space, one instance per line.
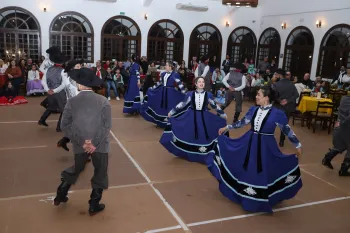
x=174 y=116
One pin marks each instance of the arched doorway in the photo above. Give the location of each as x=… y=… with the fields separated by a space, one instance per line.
x=241 y=45
x=121 y=38
x=334 y=51
x=19 y=34
x=74 y=34
x=206 y=39
x=165 y=41
x=298 y=51
x=269 y=45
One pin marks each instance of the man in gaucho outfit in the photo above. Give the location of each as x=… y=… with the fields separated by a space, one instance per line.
x=53 y=84
x=86 y=121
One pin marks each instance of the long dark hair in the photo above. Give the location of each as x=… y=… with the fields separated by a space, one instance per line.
x=270 y=92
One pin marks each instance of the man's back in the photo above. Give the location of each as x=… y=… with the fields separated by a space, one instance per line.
x=287 y=90
x=344 y=111
x=87 y=116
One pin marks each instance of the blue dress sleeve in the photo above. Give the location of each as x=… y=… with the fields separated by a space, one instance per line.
x=179 y=83
x=244 y=121
x=182 y=105
x=282 y=123
x=215 y=106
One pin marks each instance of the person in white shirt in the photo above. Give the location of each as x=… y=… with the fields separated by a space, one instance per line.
x=34 y=85
x=235 y=81
x=204 y=72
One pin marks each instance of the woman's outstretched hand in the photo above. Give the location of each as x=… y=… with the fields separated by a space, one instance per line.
x=299 y=152
x=223 y=129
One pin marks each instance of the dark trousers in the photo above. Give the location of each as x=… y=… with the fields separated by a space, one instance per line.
x=46 y=115
x=237 y=95
x=341 y=140
x=100 y=177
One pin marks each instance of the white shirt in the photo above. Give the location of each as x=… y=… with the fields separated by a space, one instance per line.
x=205 y=71
x=33 y=74
x=199 y=98
x=260 y=116
x=240 y=88
x=166 y=76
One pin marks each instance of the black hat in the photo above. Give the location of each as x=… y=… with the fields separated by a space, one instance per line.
x=238 y=66
x=204 y=58
x=85 y=77
x=281 y=72
x=72 y=63
x=55 y=55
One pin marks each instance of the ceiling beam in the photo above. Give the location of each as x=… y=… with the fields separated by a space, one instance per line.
x=147 y=2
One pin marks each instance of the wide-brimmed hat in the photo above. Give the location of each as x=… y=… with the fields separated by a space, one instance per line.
x=85 y=77
x=55 y=55
x=70 y=65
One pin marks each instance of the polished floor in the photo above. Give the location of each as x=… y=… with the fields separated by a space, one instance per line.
x=150 y=190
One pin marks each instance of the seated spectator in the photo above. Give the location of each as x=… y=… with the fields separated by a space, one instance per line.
x=34 y=85
x=221 y=95
x=119 y=80
x=8 y=96
x=110 y=83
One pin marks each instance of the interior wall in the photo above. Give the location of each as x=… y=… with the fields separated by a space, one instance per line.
x=304 y=13
x=98 y=12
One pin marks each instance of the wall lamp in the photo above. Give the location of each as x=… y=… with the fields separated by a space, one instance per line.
x=318 y=23
x=227 y=24
x=146 y=16
x=284 y=25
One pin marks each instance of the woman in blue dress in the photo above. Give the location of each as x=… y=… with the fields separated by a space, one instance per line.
x=251 y=170
x=132 y=101
x=163 y=97
x=192 y=130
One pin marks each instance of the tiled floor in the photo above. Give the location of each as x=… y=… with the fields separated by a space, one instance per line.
x=150 y=190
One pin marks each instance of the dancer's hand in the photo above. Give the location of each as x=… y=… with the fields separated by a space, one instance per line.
x=138 y=84
x=337 y=124
x=299 y=152
x=169 y=115
x=88 y=147
x=223 y=129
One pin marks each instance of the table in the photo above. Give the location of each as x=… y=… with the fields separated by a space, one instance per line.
x=309 y=104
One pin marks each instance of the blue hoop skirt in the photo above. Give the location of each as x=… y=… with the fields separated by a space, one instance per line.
x=278 y=180
x=158 y=103
x=132 y=102
x=179 y=135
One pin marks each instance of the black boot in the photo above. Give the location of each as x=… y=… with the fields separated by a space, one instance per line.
x=236 y=116
x=326 y=161
x=95 y=198
x=43 y=118
x=344 y=169
x=62 y=192
x=63 y=143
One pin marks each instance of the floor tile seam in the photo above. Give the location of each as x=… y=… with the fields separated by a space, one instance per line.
x=157 y=192
x=324 y=181
x=236 y=217
x=21 y=122
x=72 y=191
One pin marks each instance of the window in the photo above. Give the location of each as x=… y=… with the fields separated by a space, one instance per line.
x=298 y=51
x=121 y=38
x=73 y=33
x=19 y=34
x=334 y=51
x=165 y=42
x=269 y=45
x=241 y=45
x=206 y=39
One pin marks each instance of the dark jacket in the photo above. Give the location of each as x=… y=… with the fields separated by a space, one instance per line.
x=344 y=112
x=286 y=90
